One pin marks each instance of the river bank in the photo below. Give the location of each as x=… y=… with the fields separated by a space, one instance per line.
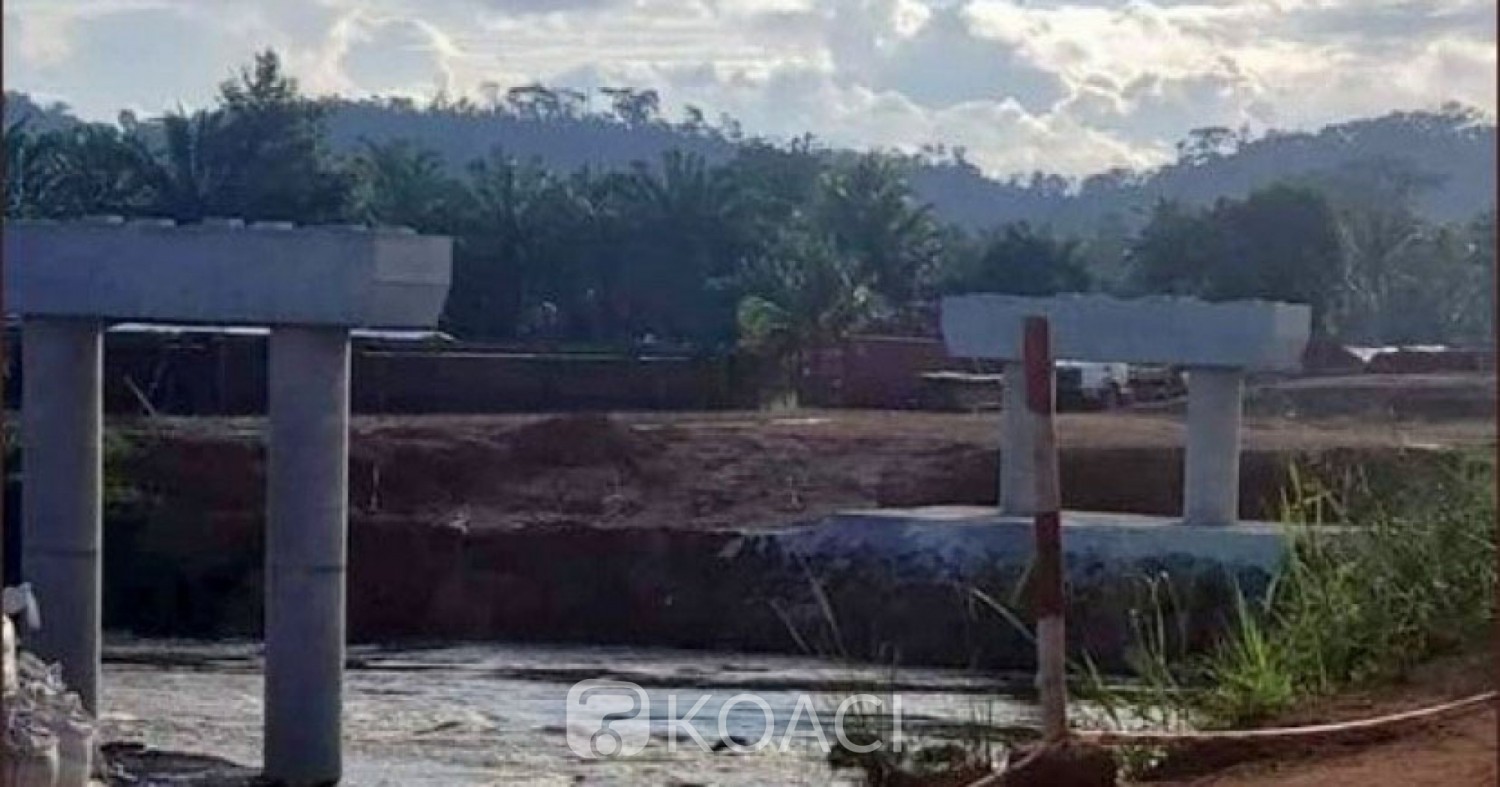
x=629 y=529
x=450 y=716
x=479 y=714
x=623 y=529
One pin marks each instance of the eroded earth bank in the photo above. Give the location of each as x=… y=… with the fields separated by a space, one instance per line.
x=640 y=528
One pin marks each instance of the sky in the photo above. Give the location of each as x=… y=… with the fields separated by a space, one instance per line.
x=1069 y=86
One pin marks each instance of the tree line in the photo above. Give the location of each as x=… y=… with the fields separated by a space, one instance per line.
x=777 y=248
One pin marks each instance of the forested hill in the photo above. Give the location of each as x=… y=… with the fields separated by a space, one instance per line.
x=1453 y=149
x=563 y=142
x=720 y=240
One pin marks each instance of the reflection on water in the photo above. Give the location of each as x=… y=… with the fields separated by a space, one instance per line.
x=495 y=714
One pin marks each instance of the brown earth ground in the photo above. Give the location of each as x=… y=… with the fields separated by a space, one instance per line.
x=1457 y=752
x=704 y=471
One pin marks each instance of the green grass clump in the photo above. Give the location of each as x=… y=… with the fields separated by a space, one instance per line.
x=1411 y=578
x=1409 y=575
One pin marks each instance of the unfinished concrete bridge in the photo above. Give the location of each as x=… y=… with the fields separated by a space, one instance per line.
x=311 y=286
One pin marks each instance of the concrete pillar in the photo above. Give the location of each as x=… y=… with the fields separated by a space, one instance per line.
x=1211 y=489
x=61 y=531
x=306 y=551
x=1017 y=445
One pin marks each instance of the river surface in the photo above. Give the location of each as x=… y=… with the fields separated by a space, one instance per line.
x=497 y=714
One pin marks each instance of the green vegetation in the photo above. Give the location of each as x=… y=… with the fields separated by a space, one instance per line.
x=1281 y=242
x=1412 y=578
x=734 y=242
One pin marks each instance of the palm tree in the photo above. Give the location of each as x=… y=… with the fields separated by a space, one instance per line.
x=399 y=183
x=260 y=155
x=869 y=208
x=689 y=233
x=684 y=192
x=188 y=174
x=89 y=169
x=497 y=257
x=800 y=294
x=276 y=161
x=30 y=172
x=505 y=192
x=1021 y=261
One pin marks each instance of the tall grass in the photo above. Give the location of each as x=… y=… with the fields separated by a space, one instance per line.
x=1411 y=577
x=1379 y=577
x=1381 y=574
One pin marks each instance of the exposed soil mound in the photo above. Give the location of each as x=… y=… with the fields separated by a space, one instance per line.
x=519 y=526
x=567 y=469
x=746 y=470
x=945 y=475
x=580 y=440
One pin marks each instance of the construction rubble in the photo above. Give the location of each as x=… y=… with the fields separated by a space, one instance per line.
x=49 y=738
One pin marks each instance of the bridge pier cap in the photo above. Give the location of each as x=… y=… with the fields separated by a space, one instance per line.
x=1218 y=343
x=1246 y=335
x=226 y=273
x=311 y=285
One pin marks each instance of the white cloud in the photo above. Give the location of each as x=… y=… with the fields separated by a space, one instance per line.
x=42 y=39
x=1067 y=85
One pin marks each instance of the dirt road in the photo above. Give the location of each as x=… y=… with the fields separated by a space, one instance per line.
x=1458 y=752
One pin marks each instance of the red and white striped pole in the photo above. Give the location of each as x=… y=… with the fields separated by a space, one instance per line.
x=1051 y=639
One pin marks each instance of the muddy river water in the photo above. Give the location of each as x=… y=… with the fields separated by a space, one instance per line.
x=498 y=714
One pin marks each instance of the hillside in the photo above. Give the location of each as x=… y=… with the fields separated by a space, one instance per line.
x=1454 y=146
x=563 y=143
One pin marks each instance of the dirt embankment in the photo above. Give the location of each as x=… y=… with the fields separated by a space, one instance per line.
x=610 y=528
x=751 y=470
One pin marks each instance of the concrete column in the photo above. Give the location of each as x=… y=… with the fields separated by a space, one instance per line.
x=306 y=551
x=1017 y=445
x=1211 y=489
x=61 y=531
